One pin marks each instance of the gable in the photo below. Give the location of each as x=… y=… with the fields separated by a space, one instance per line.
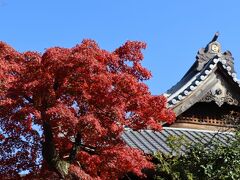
x=212 y=78
x=213 y=83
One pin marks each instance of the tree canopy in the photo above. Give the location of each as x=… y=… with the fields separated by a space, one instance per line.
x=62 y=112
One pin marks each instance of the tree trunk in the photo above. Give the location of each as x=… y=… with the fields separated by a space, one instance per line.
x=49 y=153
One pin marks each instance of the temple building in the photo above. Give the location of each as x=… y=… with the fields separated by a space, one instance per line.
x=206 y=102
x=208 y=91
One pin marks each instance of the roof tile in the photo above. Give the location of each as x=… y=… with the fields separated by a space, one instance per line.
x=152 y=141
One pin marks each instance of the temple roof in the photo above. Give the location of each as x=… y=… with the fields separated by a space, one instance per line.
x=212 y=80
x=152 y=141
x=212 y=74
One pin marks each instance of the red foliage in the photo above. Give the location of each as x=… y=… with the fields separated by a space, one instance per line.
x=87 y=95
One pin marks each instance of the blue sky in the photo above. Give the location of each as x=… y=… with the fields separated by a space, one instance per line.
x=174 y=30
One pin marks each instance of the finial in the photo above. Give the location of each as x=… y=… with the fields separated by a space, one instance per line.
x=212 y=49
x=215 y=37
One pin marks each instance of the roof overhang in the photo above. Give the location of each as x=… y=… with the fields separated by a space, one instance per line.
x=211 y=78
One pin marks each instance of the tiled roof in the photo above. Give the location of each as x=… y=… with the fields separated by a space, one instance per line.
x=152 y=141
x=186 y=89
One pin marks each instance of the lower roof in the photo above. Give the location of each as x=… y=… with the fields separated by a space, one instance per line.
x=153 y=141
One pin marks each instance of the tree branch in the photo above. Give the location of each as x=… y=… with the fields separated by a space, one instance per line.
x=75 y=148
x=78 y=145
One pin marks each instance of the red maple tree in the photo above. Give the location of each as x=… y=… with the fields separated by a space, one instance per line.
x=62 y=112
